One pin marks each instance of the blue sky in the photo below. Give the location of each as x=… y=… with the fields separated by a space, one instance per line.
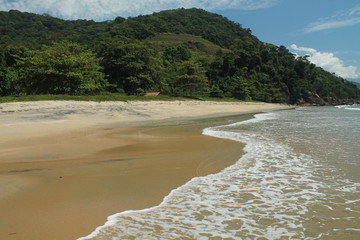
x=326 y=30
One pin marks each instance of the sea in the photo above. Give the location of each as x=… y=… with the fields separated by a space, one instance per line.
x=299 y=178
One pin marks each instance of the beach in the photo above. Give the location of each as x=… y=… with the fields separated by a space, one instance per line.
x=65 y=166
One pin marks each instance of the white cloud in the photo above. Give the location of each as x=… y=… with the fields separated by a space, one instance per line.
x=346 y=18
x=335 y=24
x=328 y=61
x=109 y=9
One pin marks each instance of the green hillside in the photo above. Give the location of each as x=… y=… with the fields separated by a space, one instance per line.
x=200 y=48
x=357 y=83
x=183 y=52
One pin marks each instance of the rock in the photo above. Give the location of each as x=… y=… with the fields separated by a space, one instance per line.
x=313 y=99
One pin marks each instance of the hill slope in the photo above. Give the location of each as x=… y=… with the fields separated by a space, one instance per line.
x=177 y=52
x=19 y=26
x=199 y=47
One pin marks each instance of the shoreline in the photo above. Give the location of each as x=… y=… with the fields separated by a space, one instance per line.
x=136 y=157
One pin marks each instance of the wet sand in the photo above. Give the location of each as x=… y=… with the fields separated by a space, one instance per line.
x=61 y=177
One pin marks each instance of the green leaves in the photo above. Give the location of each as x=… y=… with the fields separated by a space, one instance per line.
x=127 y=64
x=64 y=67
x=191 y=76
x=179 y=53
x=164 y=52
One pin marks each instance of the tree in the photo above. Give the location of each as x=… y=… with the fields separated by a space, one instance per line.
x=177 y=53
x=243 y=88
x=216 y=92
x=10 y=73
x=245 y=67
x=191 y=76
x=9 y=84
x=64 y=67
x=127 y=64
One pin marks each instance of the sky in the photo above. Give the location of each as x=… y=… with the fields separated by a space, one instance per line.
x=328 y=31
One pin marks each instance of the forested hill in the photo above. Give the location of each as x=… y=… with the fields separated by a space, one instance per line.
x=183 y=52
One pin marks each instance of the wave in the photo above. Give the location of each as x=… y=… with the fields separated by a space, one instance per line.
x=349 y=107
x=271 y=192
x=353 y=109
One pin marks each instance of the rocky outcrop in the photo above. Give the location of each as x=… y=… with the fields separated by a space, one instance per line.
x=335 y=102
x=313 y=99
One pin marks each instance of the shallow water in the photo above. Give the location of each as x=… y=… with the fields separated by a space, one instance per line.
x=298 y=179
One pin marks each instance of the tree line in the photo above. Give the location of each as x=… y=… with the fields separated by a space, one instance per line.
x=45 y=55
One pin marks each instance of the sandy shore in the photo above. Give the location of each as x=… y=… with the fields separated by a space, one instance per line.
x=65 y=166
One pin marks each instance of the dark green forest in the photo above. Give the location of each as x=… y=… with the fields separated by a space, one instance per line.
x=183 y=52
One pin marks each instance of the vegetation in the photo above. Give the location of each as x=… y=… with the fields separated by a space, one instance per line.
x=356 y=84
x=105 y=96
x=184 y=52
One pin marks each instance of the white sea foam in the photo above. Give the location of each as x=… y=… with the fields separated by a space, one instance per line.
x=353 y=109
x=349 y=107
x=342 y=106
x=271 y=192
x=257 y=118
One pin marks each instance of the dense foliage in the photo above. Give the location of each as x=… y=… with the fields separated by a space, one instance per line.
x=184 y=52
x=63 y=67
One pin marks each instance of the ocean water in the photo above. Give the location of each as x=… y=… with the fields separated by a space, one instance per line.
x=298 y=179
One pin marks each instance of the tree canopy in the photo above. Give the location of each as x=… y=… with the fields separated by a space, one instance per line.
x=61 y=68
x=177 y=52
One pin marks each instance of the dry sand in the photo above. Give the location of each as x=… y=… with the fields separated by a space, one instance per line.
x=65 y=166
